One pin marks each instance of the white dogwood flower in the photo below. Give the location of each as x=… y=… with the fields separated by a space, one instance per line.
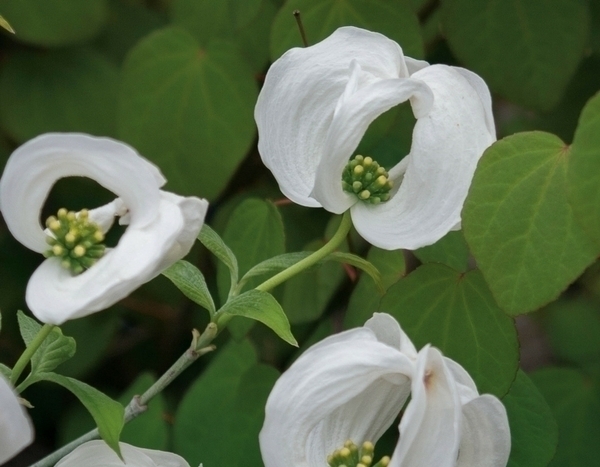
x=16 y=432
x=81 y=276
x=341 y=395
x=99 y=454
x=315 y=106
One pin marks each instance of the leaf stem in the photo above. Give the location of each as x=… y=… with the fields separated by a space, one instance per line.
x=25 y=357
x=314 y=258
x=138 y=405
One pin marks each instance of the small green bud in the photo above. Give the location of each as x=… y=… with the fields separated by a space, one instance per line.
x=75 y=240
x=367 y=180
x=350 y=455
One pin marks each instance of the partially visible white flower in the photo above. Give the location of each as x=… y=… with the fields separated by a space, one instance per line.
x=316 y=104
x=349 y=386
x=352 y=386
x=162 y=226
x=16 y=431
x=99 y=454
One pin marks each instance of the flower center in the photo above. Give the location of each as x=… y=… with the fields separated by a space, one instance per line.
x=74 y=239
x=353 y=456
x=367 y=180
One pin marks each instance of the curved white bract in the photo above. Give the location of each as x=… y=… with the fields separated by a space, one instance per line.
x=161 y=226
x=317 y=103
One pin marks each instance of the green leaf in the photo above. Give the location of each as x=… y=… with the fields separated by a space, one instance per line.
x=189 y=109
x=211 y=240
x=35 y=103
x=107 y=413
x=519 y=225
x=238 y=424
x=55 y=349
x=575 y=403
x=392 y=18
x=533 y=430
x=254 y=232
x=451 y=250
x=584 y=170
x=93 y=334
x=573 y=328
x=6 y=25
x=191 y=282
x=244 y=22
x=263 y=307
x=200 y=431
x=127 y=23
x=247 y=418
x=360 y=263
x=273 y=265
x=53 y=23
x=527 y=50
x=306 y=295
x=149 y=430
x=365 y=299
x=456 y=312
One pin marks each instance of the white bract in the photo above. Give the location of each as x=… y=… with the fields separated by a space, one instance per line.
x=317 y=103
x=99 y=454
x=16 y=432
x=351 y=386
x=161 y=228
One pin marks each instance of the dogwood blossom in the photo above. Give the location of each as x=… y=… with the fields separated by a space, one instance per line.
x=161 y=229
x=99 y=454
x=16 y=432
x=315 y=106
x=349 y=388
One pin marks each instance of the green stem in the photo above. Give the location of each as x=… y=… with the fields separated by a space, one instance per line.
x=314 y=258
x=138 y=405
x=29 y=351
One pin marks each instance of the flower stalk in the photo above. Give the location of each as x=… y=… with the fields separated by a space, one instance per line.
x=29 y=352
x=201 y=344
x=311 y=260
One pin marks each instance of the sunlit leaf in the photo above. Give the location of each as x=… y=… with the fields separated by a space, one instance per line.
x=519 y=225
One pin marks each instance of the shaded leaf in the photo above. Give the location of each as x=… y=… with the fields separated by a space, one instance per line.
x=210 y=398
x=526 y=50
x=584 y=170
x=392 y=18
x=259 y=306
x=575 y=403
x=189 y=109
x=191 y=282
x=457 y=313
x=533 y=430
x=365 y=299
x=54 y=350
x=254 y=232
x=451 y=250
x=35 y=103
x=54 y=23
x=106 y=412
x=215 y=244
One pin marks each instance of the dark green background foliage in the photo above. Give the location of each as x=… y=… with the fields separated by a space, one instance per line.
x=516 y=292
